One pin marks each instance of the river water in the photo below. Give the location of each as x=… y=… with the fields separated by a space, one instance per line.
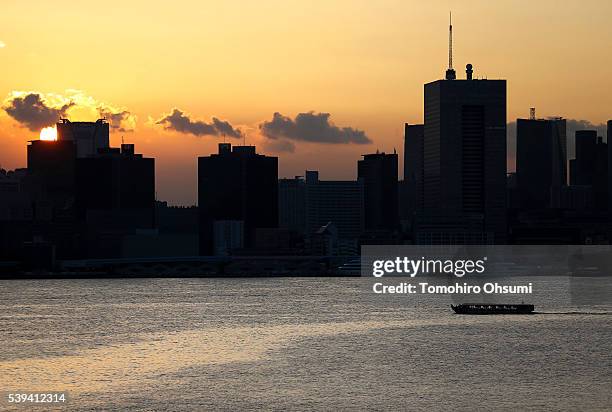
x=297 y=344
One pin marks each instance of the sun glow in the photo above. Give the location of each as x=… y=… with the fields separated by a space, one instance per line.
x=48 y=133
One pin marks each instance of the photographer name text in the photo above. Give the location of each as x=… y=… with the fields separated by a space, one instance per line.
x=489 y=288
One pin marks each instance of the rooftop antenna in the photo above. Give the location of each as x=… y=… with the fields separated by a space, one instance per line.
x=450 y=72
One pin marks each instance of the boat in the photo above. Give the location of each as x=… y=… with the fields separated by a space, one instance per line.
x=493 y=309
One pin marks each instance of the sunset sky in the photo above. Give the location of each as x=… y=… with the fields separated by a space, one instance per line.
x=165 y=70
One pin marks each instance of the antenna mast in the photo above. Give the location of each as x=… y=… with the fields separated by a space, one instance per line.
x=450 y=72
x=450 y=40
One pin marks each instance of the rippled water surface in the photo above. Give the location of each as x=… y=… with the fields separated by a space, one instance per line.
x=201 y=344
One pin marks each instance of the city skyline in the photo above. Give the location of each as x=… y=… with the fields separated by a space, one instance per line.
x=367 y=75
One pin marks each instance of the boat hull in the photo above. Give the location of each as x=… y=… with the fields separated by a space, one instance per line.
x=493 y=309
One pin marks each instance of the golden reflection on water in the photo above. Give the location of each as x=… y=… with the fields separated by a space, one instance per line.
x=127 y=364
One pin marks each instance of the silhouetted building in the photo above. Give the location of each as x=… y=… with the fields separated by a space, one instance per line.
x=11 y=181
x=89 y=137
x=228 y=235
x=117 y=180
x=512 y=192
x=176 y=219
x=541 y=161
x=237 y=184
x=590 y=168
x=557 y=227
x=413 y=169
x=600 y=178
x=609 y=141
x=16 y=214
x=71 y=207
x=277 y=241
x=308 y=205
x=50 y=185
x=464 y=161
x=336 y=201
x=292 y=204
x=378 y=172
x=115 y=197
x=176 y=234
x=51 y=170
x=583 y=172
x=609 y=186
x=403 y=199
x=576 y=197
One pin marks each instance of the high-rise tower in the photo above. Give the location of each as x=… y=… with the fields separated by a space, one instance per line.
x=541 y=160
x=464 y=160
x=237 y=192
x=379 y=174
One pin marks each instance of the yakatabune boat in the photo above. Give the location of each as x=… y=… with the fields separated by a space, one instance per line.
x=493 y=309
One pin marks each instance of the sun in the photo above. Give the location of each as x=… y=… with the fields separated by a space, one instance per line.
x=48 y=133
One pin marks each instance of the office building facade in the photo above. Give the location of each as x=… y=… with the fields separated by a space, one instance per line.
x=413 y=170
x=292 y=204
x=236 y=184
x=336 y=201
x=464 y=158
x=541 y=161
x=88 y=137
x=378 y=172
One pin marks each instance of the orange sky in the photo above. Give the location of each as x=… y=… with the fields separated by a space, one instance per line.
x=363 y=62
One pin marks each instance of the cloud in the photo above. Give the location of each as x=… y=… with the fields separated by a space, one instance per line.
x=119 y=119
x=279 y=146
x=179 y=121
x=34 y=111
x=311 y=127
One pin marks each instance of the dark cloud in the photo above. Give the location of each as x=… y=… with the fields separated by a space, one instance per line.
x=311 y=127
x=279 y=146
x=33 y=112
x=180 y=122
x=572 y=126
x=224 y=127
x=120 y=120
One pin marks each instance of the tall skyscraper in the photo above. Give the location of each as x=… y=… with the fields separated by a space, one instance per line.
x=115 y=198
x=237 y=184
x=541 y=161
x=115 y=182
x=464 y=160
x=378 y=172
x=89 y=137
x=413 y=169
